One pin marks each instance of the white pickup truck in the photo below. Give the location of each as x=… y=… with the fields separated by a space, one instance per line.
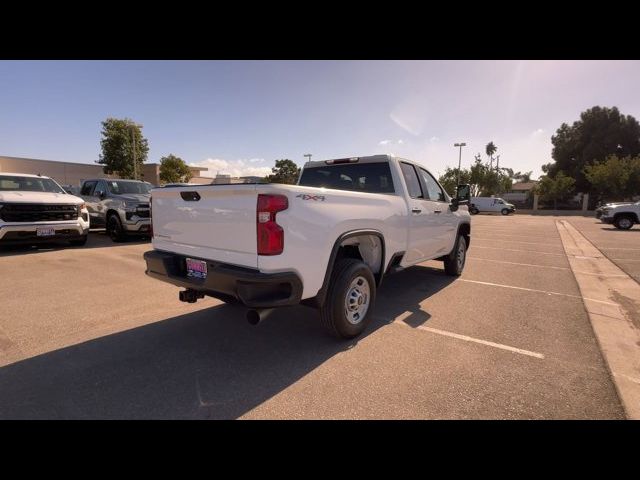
x=622 y=215
x=326 y=242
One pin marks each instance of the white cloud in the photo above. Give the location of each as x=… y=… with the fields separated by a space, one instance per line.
x=391 y=142
x=235 y=168
x=537 y=133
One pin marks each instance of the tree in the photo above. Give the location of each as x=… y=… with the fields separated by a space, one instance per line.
x=600 y=132
x=490 y=149
x=615 y=178
x=482 y=179
x=285 y=171
x=174 y=170
x=118 y=138
x=555 y=188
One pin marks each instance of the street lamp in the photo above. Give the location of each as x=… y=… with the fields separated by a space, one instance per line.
x=307 y=155
x=459 y=157
x=133 y=126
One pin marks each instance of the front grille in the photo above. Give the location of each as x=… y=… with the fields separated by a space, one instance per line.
x=35 y=212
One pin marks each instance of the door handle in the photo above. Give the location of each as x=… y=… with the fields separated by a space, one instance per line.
x=437 y=211
x=416 y=210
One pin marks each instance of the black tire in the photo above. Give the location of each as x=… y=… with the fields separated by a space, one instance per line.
x=473 y=211
x=333 y=313
x=454 y=262
x=504 y=211
x=79 y=243
x=623 y=222
x=114 y=228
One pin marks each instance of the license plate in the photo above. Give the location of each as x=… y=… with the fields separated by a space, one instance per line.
x=45 y=231
x=196 y=268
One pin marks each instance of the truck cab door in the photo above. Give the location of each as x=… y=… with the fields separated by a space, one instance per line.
x=421 y=241
x=445 y=222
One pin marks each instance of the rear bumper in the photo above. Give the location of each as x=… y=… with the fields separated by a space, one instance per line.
x=228 y=282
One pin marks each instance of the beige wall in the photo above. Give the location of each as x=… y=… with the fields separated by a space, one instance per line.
x=69 y=173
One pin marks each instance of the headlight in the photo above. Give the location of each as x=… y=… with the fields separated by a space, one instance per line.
x=130 y=206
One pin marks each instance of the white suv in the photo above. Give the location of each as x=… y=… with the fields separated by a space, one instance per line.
x=35 y=209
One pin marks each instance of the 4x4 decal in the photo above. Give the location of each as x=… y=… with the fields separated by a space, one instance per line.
x=315 y=198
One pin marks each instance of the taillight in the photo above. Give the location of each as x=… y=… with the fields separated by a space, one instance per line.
x=270 y=234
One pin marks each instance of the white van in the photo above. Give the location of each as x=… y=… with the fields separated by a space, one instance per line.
x=489 y=205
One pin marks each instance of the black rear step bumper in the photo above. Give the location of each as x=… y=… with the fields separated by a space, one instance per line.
x=228 y=282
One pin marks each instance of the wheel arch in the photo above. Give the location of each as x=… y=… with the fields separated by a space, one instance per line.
x=345 y=243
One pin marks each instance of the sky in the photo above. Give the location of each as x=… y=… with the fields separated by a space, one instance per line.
x=238 y=117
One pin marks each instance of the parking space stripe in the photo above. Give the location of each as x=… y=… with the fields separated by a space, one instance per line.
x=517 y=263
x=516 y=241
x=466 y=338
x=518 y=250
x=534 y=290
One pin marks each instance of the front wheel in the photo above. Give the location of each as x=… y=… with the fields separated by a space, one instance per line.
x=623 y=222
x=504 y=211
x=454 y=262
x=348 y=308
x=474 y=211
x=114 y=229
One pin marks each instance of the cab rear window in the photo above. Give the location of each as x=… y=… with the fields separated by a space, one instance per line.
x=364 y=177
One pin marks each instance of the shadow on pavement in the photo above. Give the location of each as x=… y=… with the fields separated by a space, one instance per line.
x=207 y=364
x=97 y=239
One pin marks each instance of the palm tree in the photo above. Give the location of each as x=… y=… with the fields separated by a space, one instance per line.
x=491 y=149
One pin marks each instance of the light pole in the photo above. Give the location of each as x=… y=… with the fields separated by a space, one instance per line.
x=307 y=155
x=459 y=157
x=133 y=139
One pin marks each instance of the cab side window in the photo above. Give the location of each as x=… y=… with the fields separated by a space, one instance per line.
x=87 y=188
x=434 y=192
x=411 y=178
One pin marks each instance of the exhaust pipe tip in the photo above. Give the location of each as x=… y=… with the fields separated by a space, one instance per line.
x=257 y=315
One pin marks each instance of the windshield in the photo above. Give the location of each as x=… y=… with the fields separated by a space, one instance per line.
x=119 y=188
x=11 y=183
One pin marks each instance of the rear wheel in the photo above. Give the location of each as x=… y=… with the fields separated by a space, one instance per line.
x=504 y=211
x=623 y=222
x=474 y=211
x=348 y=308
x=454 y=262
x=114 y=229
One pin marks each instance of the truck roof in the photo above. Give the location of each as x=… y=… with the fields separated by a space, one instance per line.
x=367 y=159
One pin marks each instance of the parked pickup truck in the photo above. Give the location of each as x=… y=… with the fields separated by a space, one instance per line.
x=326 y=242
x=623 y=216
x=35 y=209
x=120 y=206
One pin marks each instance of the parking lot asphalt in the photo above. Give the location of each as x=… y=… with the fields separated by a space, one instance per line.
x=85 y=334
x=622 y=247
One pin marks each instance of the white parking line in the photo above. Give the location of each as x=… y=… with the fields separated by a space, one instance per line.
x=545 y=266
x=498 y=239
x=466 y=338
x=534 y=290
x=518 y=250
x=517 y=263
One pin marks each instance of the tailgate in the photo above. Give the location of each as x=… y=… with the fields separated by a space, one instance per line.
x=213 y=222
